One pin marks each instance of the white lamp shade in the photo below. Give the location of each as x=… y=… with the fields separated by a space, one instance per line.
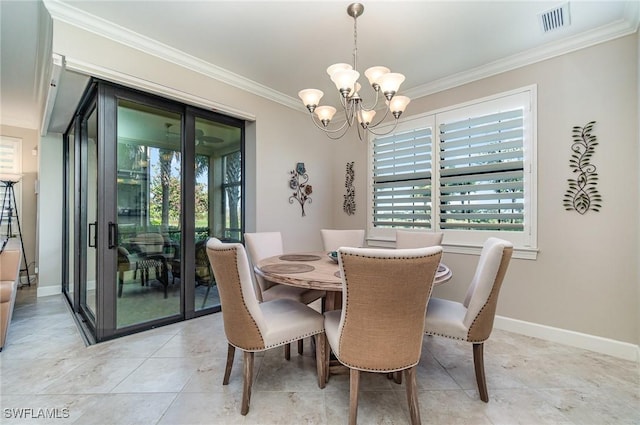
x=10 y=177
x=375 y=73
x=310 y=96
x=345 y=79
x=355 y=92
x=366 y=117
x=325 y=113
x=390 y=82
x=398 y=103
x=338 y=67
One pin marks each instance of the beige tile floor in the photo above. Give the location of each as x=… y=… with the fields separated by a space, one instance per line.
x=173 y=375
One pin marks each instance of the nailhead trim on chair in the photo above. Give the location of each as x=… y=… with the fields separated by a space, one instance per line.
x=257 y=349
x=293 y=340
x=346 y=312
x=235 y=253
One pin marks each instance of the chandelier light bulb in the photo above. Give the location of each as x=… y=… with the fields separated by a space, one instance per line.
x=398 y=104
x=310 y=98
x=354 y=93
x=338 y=67
x=390 y=84
x=325 y=114
x=374 y=74
x=345 y=80
x=365 y=117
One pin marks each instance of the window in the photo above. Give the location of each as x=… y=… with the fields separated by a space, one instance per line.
x=10 y=169
x=467 y=171
x=232 y=196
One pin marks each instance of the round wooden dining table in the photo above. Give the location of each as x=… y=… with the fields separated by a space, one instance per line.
x=316 y=270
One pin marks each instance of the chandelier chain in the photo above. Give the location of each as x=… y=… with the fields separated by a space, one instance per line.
x=355 y=43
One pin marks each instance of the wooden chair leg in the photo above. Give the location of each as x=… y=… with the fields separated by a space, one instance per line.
x=287 y=352
x=231 y=351
x=321 y=347
x=412 y=395
x=478 y=363
x=396 y=376
x=248 y=381
x=354 y=386
x=120 y=283
x=300 y=346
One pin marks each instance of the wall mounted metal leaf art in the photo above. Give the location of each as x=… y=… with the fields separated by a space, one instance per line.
x=349 y=203
x=582 y=194
x=301 y=188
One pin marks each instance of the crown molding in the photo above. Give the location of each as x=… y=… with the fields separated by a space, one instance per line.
x=66 y=13
x=605 y=33
x=108 y=74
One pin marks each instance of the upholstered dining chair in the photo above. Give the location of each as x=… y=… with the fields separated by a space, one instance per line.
x=417 y=239
x=367 y=335
x=333 y=239
x=262 y=245
x=252 y=326
x=472 y=320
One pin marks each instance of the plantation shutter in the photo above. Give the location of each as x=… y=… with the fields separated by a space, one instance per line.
x=482 y=173
x=402 y=179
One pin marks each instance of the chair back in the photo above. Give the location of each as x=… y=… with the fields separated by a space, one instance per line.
x=482 y=296
x=259 y=246
x=244 y=322
x=203 y=268
x=149 y=243
x=385 y=294
x=417 y=239
x=334 y=239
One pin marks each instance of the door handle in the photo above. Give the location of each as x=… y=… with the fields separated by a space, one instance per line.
x=113 y=235
x=94 y=238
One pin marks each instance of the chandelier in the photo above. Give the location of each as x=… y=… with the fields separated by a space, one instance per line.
x=345 y=77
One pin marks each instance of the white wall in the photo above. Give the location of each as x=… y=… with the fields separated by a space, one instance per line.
x=585 y=278
x=50 y=216
x=276 y=141
x=26 y=186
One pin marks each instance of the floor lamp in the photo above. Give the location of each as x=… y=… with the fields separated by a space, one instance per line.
x=10 y=196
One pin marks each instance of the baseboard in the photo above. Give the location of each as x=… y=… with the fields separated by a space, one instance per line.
x=611 y=347
x=45 y=291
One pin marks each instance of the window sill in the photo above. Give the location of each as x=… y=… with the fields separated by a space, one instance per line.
x=523 y=253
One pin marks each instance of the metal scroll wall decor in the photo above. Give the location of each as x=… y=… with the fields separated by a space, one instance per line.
x=349 y=203
x=301 y=188
x=582 y=194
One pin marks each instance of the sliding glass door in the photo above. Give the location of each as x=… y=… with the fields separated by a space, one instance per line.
x=148 y=181
x=149 y=199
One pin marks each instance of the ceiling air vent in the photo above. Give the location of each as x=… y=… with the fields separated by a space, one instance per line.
x=555 y=18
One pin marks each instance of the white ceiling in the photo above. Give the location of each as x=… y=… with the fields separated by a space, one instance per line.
x=280 y=47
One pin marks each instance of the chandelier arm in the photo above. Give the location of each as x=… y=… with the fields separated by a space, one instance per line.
x=395 y=124
x=350 y=112
x=361 y=133
x=330 y=136
x=386 y=114
x=374 y=104
x=326 y=130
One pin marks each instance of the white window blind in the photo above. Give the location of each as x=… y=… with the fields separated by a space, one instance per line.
x=467 y=170
x=481 y=172
x=10 y=164
x=402 y=179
